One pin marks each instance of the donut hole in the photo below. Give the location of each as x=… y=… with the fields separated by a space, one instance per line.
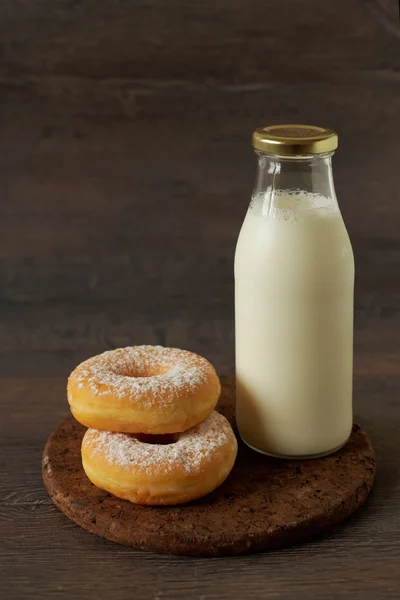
x=134 y=371
x=160 y=440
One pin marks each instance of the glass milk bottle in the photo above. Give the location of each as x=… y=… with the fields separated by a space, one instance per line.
x=294 y=288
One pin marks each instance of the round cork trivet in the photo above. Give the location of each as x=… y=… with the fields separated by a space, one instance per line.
x=265 y=503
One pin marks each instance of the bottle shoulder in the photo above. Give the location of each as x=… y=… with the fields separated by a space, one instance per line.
x=309 y=243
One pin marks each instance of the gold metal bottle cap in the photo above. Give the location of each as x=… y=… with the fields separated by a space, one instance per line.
x=295 y=140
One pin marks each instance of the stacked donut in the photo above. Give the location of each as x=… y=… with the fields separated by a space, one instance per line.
x=154 y=436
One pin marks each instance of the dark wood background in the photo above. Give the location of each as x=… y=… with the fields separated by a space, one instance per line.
x=125 y=173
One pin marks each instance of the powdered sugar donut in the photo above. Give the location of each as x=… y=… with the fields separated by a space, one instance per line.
x=195 y=464
x=143 y=389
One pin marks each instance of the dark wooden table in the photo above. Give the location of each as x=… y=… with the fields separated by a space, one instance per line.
x=125 y=172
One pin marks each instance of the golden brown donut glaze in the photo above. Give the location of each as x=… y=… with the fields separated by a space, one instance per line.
x=143 y=389
x=197 y=463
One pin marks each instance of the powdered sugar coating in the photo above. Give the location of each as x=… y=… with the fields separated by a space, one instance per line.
x=155 y=373
x=192 y=451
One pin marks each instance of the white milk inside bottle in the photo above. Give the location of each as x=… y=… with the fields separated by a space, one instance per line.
x=294 y=282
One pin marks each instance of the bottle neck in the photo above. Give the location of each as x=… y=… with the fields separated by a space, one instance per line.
x=310 y=174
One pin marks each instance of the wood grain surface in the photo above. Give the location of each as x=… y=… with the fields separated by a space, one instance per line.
x=125 y=172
